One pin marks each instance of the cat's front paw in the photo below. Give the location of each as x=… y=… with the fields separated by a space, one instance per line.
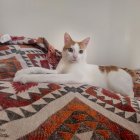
x=21 y=78
x=20 y=72
x=48 y=71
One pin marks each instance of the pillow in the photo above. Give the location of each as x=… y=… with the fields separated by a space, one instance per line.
x=22 y=52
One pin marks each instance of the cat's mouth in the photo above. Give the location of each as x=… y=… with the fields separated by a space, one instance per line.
x=74 y=60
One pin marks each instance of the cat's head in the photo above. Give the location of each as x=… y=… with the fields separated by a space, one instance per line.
x=74 y=52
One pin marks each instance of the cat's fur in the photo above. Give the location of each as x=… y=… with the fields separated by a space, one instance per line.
x=73 y=68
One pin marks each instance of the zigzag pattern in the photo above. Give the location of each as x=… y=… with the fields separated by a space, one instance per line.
x=26 y=100
x=80 y=123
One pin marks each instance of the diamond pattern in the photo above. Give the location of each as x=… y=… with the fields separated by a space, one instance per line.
x=29 y=100
x=80 y=125
x=24 y=53
x=36 y=92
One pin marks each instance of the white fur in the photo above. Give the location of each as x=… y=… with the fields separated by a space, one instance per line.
x=73 y=68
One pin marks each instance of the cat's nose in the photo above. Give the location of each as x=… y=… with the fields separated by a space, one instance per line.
x=75 y=57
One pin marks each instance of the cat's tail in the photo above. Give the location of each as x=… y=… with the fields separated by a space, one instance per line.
x=133 y=74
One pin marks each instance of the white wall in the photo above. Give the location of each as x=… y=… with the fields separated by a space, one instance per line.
x=125 y=32
x=113 y=25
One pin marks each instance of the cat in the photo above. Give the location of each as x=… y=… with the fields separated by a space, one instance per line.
x=73 y=68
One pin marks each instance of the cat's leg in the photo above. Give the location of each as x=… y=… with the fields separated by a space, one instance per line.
x=121 y=82
x=35 y=70
x=49 y=78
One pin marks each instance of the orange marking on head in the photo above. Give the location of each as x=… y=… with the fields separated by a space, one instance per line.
x=69 y=42
x=69 y=45
x=81 y=45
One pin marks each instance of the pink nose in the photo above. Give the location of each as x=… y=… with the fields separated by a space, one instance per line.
x=75 y=57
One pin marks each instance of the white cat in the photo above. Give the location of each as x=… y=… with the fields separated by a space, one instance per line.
x=73 y=68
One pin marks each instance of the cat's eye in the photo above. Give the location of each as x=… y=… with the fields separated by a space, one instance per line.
x=81 y=51
x=70 y=49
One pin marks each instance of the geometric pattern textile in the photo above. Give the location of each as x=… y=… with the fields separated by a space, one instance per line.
x=24 y=52
x=49 y=111
x=66 y=111
x=79 y=123
x=137 y=86
x=8 y=66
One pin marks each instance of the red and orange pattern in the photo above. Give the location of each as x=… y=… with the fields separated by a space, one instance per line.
x=137 y=86
x=42 y=111
x=75 y=120
x=52 y=111
x=22 y=52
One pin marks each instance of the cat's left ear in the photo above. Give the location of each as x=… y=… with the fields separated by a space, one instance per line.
x=85 y=41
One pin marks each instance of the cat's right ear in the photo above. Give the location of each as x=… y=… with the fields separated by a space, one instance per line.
x=67 y=39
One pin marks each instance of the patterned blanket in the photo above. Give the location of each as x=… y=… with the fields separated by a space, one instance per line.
x=41 y=111
x=66 y=112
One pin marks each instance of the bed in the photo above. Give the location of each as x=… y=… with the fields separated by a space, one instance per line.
x=50 y=111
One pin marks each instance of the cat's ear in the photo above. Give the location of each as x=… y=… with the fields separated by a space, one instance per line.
x=85 y=41
x=67 y=39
